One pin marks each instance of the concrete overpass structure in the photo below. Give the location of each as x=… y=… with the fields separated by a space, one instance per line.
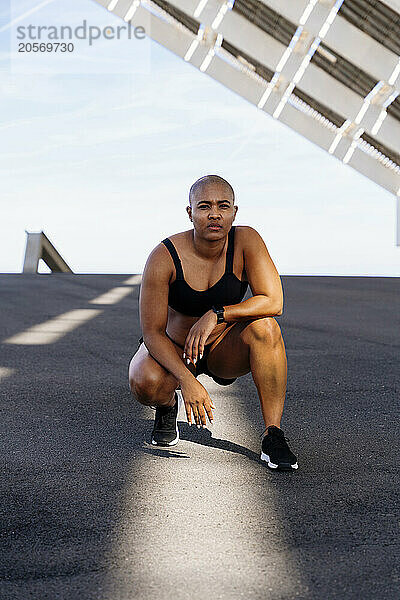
x=328 y=69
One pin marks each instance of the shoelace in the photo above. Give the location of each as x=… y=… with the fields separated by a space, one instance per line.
x=278 y=435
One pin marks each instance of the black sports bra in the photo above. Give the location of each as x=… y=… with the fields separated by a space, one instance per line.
x=228 y=290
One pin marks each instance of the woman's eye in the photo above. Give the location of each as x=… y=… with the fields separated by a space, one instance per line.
x=206 y=207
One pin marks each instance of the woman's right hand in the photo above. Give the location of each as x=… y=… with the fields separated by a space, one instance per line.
x=198 y=401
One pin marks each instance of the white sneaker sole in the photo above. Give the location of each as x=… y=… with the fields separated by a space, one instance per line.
x=272 y=465
x=173 y=443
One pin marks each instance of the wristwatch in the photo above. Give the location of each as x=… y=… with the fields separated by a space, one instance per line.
x=219 y=311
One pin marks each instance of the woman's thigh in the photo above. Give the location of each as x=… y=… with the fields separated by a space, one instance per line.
x=229 y=356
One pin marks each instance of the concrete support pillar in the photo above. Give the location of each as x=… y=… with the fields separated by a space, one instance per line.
x=38 y=246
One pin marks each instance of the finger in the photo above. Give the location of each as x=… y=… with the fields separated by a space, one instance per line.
x=202 y=416
x=188 y=413
x=209 y=413
x=196 y=415
x=201 y=347
x=185 y=349
x=188 y=348
x=195 y=348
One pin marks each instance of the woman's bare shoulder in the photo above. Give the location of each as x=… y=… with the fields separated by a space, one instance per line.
x=244 y=229
x=160 y=256
x=161 y=248
x=181 y=235
x=246 y=233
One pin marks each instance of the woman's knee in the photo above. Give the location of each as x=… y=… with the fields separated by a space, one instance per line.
x=265 y=329
x=151 y=389
x=144 y=389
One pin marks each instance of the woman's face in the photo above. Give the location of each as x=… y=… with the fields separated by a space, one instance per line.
x=213 y=205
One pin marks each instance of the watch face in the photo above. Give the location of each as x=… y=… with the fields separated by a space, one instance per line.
x=219 y=311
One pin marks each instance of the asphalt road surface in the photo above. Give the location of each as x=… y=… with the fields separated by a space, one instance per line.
x=90 y=510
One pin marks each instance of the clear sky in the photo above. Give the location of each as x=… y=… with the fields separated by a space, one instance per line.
x=99 y=148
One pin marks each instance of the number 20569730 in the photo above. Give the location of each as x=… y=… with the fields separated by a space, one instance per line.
x=45 y=47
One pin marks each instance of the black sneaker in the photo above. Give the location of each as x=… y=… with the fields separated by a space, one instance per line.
x=276 y=452
x=165 y=430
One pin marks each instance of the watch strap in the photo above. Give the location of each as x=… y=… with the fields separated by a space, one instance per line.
x=219 y=311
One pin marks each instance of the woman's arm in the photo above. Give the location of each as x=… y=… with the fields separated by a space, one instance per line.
x=153 y=311
x=264 y=280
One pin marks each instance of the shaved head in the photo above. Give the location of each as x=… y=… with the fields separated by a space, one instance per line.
x=201 y=183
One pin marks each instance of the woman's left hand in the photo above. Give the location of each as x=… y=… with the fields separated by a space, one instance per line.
x=198 y=335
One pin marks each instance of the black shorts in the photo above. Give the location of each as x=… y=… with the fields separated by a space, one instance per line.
x=201 y=364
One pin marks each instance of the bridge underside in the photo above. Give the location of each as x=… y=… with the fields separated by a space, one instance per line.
x=328 y=69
